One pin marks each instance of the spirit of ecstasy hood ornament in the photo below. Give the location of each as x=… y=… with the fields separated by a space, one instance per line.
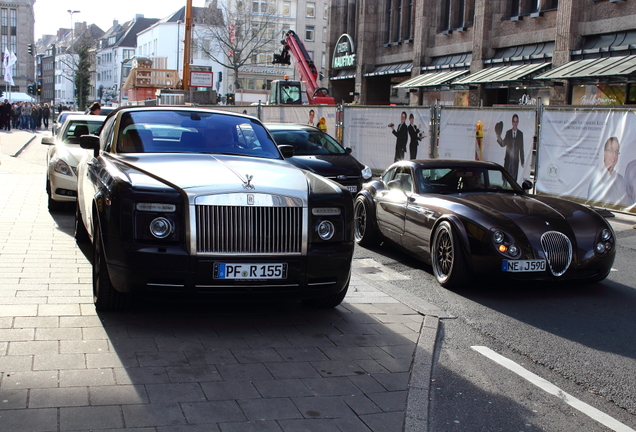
x=247 y=184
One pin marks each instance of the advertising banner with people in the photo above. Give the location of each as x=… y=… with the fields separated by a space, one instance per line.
x=589 y=155
x=321 y=116
x=507 y=137
x=380 y=136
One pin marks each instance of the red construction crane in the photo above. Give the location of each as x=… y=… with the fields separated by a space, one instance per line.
x=288 y=92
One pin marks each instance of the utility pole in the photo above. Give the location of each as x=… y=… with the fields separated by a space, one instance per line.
x=187 y=40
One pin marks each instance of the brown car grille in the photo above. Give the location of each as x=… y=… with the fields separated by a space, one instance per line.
x=249 y=230
x=558 y=251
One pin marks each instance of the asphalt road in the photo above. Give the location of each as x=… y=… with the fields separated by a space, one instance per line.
x=580 y=338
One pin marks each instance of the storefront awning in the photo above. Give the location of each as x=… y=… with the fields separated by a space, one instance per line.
x=390 y=69
x=503 y=74
x=593 y=68
x=431 y=79
x=344 y=74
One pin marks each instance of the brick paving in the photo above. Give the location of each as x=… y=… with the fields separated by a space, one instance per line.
x=187 y=368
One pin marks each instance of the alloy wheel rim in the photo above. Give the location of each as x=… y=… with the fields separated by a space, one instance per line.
x=361 y=219
x=444 y=254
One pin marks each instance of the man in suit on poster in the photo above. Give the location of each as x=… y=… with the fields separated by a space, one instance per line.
x=402 y=136
x=414 y=134
x=513 y=142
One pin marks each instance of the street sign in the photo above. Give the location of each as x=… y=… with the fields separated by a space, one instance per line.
x=201 y=79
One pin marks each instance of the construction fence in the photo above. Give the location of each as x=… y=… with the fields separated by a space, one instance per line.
x=584 y=154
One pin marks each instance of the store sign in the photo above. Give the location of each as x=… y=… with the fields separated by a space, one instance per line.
x=344 y=55
x=201 y=79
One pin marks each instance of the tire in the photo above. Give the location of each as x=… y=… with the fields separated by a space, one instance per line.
x=80 y=234
x=328 y=302
x=364 y=230
x=449 y=264
x=52 y=204
x=105 y=296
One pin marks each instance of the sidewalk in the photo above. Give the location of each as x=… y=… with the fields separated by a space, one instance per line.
x=363 y=366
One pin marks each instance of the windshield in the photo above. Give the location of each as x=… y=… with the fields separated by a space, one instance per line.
x=308 y=142
x=464 y=179
x=76 y=128
x=193 y=132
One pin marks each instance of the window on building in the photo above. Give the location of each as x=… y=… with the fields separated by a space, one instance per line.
x=323 y=61
x=311 y=54
x=286 y=8
x=263 y=6
x=398 y=24
x=324 y=34
x=309 y=33
x=457 y=14
x=311 y=10
x=515 y=8
x=325 y=14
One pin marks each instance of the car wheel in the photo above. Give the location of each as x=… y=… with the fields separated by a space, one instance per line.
x=449 y=264
x=80 y=234
x=364 y=228
x=329 y=301
x=105 y=296
x=53 y=205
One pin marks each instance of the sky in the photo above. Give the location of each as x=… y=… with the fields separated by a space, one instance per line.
x=50 y=15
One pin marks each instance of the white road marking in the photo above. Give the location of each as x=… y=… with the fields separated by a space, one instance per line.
x=548 y=387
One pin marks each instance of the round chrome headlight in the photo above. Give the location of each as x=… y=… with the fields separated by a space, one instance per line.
x=600 y=247
x=498 y=237
x=367 y=173
x=513 y=250
x=606 y=234
x=326 y=230
x=160 y=227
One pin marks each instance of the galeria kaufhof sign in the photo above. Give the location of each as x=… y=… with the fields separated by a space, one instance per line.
x=344 y=55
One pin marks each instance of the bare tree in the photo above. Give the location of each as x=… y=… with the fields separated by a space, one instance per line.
x=238 y=32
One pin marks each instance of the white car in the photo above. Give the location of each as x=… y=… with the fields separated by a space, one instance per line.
x=64 y=154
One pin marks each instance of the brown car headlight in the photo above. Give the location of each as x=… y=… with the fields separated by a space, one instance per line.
x=505 y=244
x=605 y=242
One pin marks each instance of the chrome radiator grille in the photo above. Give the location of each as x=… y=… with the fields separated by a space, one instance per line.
x=558 y=251
x=249 y=230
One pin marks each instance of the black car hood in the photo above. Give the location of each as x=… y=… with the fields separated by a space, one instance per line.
x=328 y=165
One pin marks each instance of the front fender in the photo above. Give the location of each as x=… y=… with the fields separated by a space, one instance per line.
x=459 y=228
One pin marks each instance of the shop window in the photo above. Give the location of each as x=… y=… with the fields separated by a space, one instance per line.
x=456 y=15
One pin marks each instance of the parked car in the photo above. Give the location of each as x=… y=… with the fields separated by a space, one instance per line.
x=59 y=120
x=63 y=155
x=471 y=218
x=320 y=153
x=196 y=203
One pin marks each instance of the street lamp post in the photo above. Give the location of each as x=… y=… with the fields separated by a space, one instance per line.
x=179 y=22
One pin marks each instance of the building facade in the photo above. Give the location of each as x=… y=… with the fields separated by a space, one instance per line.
x=482 y=52
x=16 y=35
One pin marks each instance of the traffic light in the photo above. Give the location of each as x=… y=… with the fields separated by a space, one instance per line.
x=31 y=89
x=220 y=76
x=230 y=98
x=30 y=49
x=39 y=89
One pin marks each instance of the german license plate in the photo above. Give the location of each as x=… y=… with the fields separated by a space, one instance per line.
x=352 y=188
x=523 y=265
x=250 y=271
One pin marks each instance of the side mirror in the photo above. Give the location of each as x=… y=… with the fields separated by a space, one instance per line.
x=287 y=150
x=395 y=184
x=49 y=140
x=90 y=142
x=527 y=185
x=348 y=150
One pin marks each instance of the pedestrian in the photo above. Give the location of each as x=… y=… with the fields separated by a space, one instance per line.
x=5 y=115
x=35 y=114
x=15 y=115
x=46 y=113
x=25 y=116
x=95 y=108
